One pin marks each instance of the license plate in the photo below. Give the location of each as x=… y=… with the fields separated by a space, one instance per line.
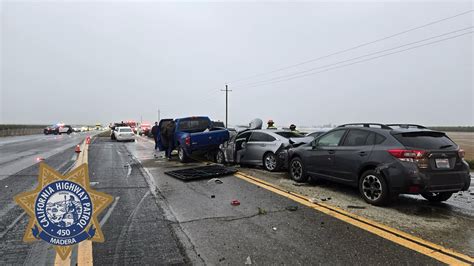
x=442 y=163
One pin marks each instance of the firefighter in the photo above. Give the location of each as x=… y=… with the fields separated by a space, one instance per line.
x=293 y=128
x=271 y=124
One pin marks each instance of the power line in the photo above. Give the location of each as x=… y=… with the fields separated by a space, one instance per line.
x=355 y=58
x=357 y=62
x=352 y=48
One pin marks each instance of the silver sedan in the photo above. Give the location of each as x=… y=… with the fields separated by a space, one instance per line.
x=258 y=147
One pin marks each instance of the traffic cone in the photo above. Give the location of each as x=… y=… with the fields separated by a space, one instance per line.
x=78 y=149
x=88 y=140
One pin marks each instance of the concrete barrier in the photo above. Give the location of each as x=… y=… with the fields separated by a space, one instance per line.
x=4 y=132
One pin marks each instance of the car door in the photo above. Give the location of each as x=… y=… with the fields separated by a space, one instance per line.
x=258 y=144
x=351 y=154
x=320 y=158
x=237 y=149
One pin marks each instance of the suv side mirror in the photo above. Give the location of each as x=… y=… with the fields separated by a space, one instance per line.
x=314 y=144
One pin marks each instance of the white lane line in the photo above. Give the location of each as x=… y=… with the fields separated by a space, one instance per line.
x=109 y=212
x=129 y=171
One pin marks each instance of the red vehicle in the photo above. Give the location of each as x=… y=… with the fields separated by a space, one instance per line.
x=132 y=124
x=145 y=129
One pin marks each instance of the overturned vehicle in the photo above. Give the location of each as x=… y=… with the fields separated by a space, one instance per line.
x=260 y=147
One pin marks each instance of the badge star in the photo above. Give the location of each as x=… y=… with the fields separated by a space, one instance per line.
x=79 y=175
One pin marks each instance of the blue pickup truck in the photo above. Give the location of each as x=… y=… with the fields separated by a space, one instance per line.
x=196 y=135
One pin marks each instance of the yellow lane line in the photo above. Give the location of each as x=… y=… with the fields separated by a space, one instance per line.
x=427 y=248
x=84 y=254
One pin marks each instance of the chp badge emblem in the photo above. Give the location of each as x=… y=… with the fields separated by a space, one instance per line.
x=63 y=210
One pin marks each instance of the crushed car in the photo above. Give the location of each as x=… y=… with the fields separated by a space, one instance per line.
x=260 y=147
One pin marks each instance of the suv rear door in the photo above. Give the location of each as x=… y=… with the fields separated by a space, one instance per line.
x=353 y=152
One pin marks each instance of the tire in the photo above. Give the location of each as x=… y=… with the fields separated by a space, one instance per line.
x=373 y=188
x=220 y=157
x=437 y=197
x=270 y=162
x=297 y=170
x=183 y=157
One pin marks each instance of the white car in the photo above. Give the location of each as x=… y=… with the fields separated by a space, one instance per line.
x=124 y=134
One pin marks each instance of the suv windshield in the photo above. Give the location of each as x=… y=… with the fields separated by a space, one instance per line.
x=125 y=130
x=425 y=140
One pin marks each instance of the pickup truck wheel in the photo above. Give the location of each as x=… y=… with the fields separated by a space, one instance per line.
x=182 y=155
x=270 y=162
x=220 y=158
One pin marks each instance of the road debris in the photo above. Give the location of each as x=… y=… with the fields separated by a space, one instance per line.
x=248 y=261
x=292 y=208
x=213 y=196
x=355 y=207
x=274 y=228
x=326 y=199
x=313 y=200
x=215 y=180
x=261 y=211
x=235 y=203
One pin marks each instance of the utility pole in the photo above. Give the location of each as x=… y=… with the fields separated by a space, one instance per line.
x=226 y=104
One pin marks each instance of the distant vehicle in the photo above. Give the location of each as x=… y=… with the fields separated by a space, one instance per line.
x=132 y=124
x=98 y=126
x=76 y=129
x=195 y=135
x=124 y=134
x=260 y=147
x=58 y=129
x=145 y=129
x=384 y=161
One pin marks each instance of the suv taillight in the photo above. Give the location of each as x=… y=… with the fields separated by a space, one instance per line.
x=417 y=156
x=461 y=153
x=187 y=141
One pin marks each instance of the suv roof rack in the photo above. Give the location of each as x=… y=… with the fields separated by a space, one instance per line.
x=407 y=126
x=382 y=126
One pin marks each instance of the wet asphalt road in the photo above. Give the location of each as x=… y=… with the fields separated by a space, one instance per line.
x=156 y=219
x=18 y=153
x=262 y=229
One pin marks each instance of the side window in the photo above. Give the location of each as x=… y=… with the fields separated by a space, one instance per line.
x=263 y=137
x=356 y=138
x=370 y=139
x=379 y=139
x=331 y=139
x=245 y=136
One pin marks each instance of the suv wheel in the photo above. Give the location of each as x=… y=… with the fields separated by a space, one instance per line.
x=182 y=155
x=297 y=171
x=437 y=196
x=373 y=188
x=270 y=162
x=220 y=158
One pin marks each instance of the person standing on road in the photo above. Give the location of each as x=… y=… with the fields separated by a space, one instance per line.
x=155 y=131
x=169 y=134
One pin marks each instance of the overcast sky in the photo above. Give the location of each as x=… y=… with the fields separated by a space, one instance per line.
x=88 y=62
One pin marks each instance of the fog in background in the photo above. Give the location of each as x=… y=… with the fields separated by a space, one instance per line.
x=88 y=62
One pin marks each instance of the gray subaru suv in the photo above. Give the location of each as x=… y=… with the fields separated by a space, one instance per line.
x=384 y=161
